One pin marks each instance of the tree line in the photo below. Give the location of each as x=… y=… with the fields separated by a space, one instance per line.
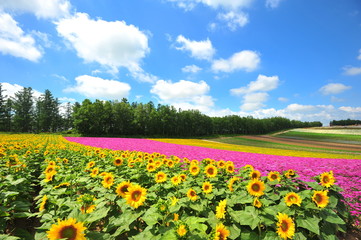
x=346 y=122
x=24 y=113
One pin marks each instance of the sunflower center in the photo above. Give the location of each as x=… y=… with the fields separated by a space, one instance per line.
x=118 y=161
x=318 y=198
x=136 y=195
x=284 y=226
x=192 y=193
x=210 y=171
x=124 y=189
x=68 y=232
x=325 y=179
x=256 y=187
x=274 y=176
x=292 y=198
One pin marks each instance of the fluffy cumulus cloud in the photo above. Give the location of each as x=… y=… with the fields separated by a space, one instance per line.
x=184 y=94
x=49 y=9
x=95 y=87
x=262 y=84
x=224 y=4
x=113 y=44
x=13 y=40
x=191 y=69
x=244 y=60
x=234 y=20
x=254 y=101
x=198 y=49
x=349 y=70
x=10 y=90
x=351 y=109
x=334 y=88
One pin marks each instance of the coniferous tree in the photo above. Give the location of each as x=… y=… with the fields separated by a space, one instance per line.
x=2 y=109
x=23 y=110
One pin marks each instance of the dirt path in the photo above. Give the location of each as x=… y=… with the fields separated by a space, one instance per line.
x=306 y=143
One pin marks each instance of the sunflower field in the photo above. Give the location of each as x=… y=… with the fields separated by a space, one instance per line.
x=52 y=188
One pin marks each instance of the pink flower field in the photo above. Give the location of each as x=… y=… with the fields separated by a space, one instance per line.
x=346 y=171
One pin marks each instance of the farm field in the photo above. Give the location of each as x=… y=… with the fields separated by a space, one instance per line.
x=114 y=188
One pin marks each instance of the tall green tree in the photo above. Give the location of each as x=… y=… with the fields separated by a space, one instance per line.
x=2 y=109
x=23 y=110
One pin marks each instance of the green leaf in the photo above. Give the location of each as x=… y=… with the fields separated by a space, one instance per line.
x=309 y=223
x=235 y=231
x=7 y=237
x=17 y=182
x=299 y=236
x=330 y=216
x=98 y=236
x=151 y=216
x=97 y=215
x=247 y=218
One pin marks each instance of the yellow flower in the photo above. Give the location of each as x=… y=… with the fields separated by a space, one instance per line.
x=108 y=180
x=254 y=174
x=256 y=187
x=257 y=203
x=248 y=167
x=160 y=177
x=285 y=226
x=174 y=200
x=183 y=177
x=327 y=179
x=170 y=163
x=151 y=167
x=62 y=184
x=211 y=171
x=176 y=180
x=273 y=176
x=91 y=164
x=87 y=208
x=192 y=195
x=207 y=187
x=43 y=202
x=230 y=168
x=118 y=161
x=231 y=182
x=320 y=198
x=122 y=188
x=221 y=209
x=94 y=172
x=194 y=169
x=290 y=173
x=221 y=164
x=68 y=229
x=221 y=232
x=136 y=196
x=182 y=230
x=293 y=198
x=175 y=217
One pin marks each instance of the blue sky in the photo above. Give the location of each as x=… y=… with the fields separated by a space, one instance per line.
x=299 y=59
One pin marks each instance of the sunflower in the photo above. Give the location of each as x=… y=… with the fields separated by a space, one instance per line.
x=43 y=202
x=231 y=182
x=194 y=162
x=122 y=188
x=182 y=230
x=221 y=209
x=191 y=194
x=49 y=177
x=293 y=198
x=256 y=187
x=136 y=196
x=285 y=226
x=118 y=161
x=151 y=167
x=175 y=217
x=183 y=177
x=257 y=203
x=194 y=169
x=50 y=170
x=170 y=163
x=62 y=185
x=273 y=176
x=327 y=179
x=176 y=180
x=230 y=168
x=248 y=167
x=221 y=164
x=211 y=171
x=108 y=180
x=160 y=177
x=94 y=172
x=221 y=232
x=320 y=198
x=68 y=229
x=207 y=187
x=174 y=200
x=290 y=173
x=91 y=164
x=254 y=174
x=87 y=208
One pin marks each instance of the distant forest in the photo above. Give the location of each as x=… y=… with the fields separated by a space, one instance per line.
x=346 y=122
x=25 y=113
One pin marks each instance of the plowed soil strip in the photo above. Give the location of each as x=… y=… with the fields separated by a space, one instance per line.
x=306 y=143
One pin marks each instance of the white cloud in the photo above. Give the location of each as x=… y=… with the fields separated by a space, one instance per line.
x=225 y=4
x=191 y=69
x=334 y=88
x=282 y=99
x=113 y=44
x=273 y=3
x=294 y=107
x=262 y=84
x=199 y=49
x=254 y=101
x=349 y=70
x=66 y=99
x=96 y=87
x=244 y=60
x=11 y=89
x=359 y=55
x=351 y=109
x=184 y=94
x=13 y=40
x=42 y=9
x=233 y=19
